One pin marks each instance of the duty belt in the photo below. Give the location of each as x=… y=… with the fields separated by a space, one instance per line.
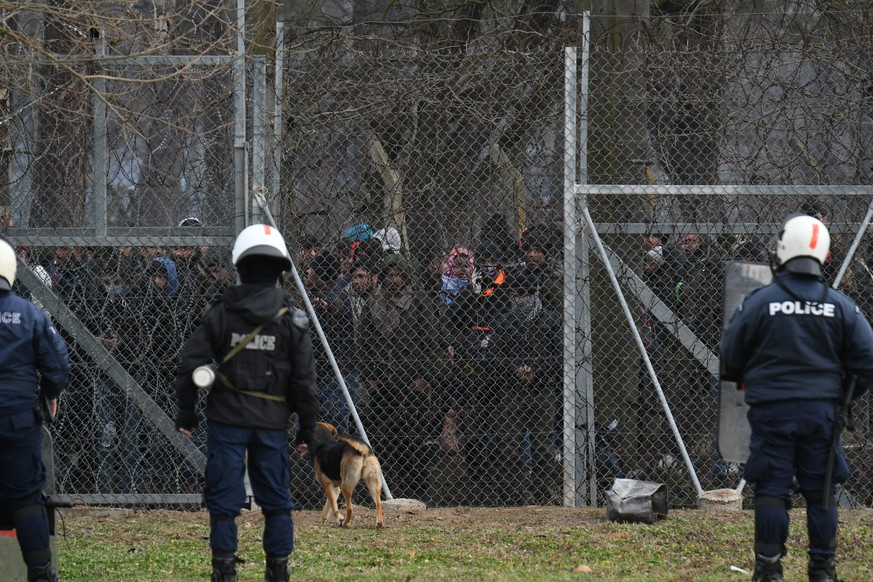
x=227 y=384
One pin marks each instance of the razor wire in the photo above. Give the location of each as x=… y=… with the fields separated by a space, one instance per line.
x=422 y=188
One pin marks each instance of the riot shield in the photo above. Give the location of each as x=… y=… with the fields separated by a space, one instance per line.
x=740 y=279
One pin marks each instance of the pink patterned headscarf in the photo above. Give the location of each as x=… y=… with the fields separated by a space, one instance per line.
x=452 y=284
x=449 y=267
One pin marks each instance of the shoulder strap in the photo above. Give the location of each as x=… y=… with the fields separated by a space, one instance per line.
x=237 y=348
x=245 y=341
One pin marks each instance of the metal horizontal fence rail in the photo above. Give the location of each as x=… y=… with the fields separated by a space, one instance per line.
x=709 y=228
x=124 y=61
x=84 y=238
x=725 y=190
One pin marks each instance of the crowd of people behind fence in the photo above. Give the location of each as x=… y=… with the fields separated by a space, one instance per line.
x=456 y=357
x=461 y=357
x=140 y=304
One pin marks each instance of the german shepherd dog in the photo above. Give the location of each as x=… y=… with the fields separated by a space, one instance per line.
x=340 y=463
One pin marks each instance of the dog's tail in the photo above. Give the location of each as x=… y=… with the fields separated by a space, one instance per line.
x=358 y=446
x=371 y=473
x=372 y=469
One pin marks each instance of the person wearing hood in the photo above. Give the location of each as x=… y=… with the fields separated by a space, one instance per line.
x=159 y=340
x=390 y=240
x=541 y=251
x=457 y=274
x=119 y=421
x=257 y=349
x=496 y=232
x=218 y=264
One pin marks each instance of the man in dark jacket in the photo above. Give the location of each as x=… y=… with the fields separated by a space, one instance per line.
x=542 y=258
x=31 y=353
x=119 y=421
x=257 y=387
x=793 y=345
x=528 y=339
x=158 y=345
x=77 y=285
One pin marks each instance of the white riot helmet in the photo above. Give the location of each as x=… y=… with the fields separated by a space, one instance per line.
x=8 y=266
x=802 y=246
x=260 y=240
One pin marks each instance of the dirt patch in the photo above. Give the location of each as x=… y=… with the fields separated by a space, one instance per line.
x=489 y=516
x=527 y=516
x=473 y=517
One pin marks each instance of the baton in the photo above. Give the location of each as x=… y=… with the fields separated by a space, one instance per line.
x=45 y=413
x=845 y=410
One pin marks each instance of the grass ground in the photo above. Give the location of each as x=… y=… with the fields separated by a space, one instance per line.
x=519 y=543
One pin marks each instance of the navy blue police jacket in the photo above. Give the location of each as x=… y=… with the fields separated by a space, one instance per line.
x=32 y=355
x=781 y=348
x=278 y=362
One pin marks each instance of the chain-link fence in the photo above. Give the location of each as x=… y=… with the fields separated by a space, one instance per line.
x=436 y=191
x=118 y=193
x=672 y=276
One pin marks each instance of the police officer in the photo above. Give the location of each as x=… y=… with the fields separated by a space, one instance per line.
x=257 y=389
x=793 y=345
x=28 y=345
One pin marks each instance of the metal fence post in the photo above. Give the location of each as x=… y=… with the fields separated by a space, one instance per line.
x=100 y=163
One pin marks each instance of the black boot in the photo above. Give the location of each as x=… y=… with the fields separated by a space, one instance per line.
x=277 y=570
x=823 y=571
x=768 y=569
x=42 y=574
x=224 y=568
